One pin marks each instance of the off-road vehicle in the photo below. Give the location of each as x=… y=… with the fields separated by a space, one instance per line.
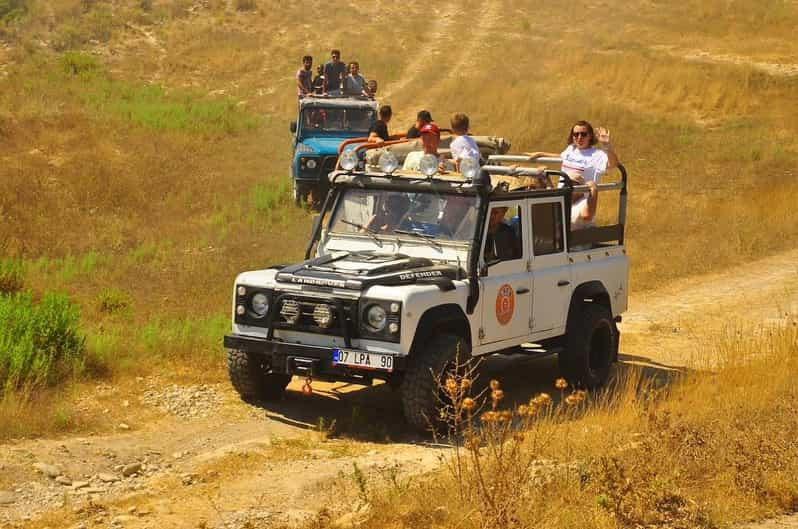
x=322 y=124
x=404 y=271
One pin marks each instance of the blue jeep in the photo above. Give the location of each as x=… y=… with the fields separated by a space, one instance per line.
x=323 y=123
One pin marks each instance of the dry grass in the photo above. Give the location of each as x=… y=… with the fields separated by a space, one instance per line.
x=171 y=214
x=705 y=451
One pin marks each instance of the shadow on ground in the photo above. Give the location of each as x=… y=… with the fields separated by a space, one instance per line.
x=375 y=413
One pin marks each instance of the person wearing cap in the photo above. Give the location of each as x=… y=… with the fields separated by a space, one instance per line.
x=430 y=138
x=422 y=118
x=378 y=132
x=463 y=145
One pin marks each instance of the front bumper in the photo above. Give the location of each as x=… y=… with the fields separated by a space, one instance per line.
x=308 y=360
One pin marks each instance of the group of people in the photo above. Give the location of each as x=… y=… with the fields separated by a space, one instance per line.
x=333 y=78
x=462 y=146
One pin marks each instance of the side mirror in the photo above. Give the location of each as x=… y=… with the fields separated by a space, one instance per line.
x=292 y=127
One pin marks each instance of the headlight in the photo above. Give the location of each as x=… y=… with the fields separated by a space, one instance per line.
x=260 y=304
x=323 y=315
x=311 y=163
x=428 y=164
x=469 y=168
x=348 y=160
x=376 y=318
x=388 y=162
x=290 y=311
x=304 y=149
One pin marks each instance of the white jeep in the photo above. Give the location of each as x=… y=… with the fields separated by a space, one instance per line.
x=409 y=270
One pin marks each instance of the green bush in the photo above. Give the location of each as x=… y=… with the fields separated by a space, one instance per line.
x=113 y=301
x=12 y=276
x=40 y=343
x=12 y=9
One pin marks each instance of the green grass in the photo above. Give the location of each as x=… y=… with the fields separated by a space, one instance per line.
x=40 y=344
x=10 y=10
x=12 y=275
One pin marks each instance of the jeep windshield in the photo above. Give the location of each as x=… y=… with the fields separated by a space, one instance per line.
x=425 y=215
x=337 y=119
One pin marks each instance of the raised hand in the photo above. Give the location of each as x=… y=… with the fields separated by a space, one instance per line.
x=603 y=135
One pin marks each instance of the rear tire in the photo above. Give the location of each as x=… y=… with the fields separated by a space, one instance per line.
x=590 y=347
x=251 y=377
x=420 y=392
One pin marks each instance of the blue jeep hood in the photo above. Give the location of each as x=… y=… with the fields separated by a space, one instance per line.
x=324 y=145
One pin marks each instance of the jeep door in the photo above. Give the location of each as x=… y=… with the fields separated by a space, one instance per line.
x=551 y=269
x=506 y=282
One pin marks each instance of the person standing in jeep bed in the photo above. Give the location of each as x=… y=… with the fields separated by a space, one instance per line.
x=378 y=133
x=422 y=118
x=334 y=73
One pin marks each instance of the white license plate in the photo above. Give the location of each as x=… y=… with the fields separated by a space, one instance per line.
x=362 y=359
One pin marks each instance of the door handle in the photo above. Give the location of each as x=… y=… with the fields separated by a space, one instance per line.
x=522 y=290
x=563 y=282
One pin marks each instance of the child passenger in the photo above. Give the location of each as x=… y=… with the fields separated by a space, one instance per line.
x=463 y=145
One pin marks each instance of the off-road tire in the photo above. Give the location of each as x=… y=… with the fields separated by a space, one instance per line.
x=301 y=193
x=250 y=376
x=590 y=347
x=420 y=391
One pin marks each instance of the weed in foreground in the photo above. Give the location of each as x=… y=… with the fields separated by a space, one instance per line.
x=12 y=276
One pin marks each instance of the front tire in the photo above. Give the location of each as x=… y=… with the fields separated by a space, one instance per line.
x=421 y=396
x=590 y=347
x=301 y=193
x=251 y=377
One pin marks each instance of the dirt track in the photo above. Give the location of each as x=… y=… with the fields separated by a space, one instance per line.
x=198 y=455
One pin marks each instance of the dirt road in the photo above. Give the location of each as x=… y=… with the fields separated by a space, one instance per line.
x=196 y=456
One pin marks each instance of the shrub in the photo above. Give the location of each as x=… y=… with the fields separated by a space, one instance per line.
x=76 y=63
x=12 y=9
x=245 y=5
x=12 y=276
x=39 y=343
x=113 y=300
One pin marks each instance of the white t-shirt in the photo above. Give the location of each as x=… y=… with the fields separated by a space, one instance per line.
x=577 y=222
x=588 y=163
x=464 y=147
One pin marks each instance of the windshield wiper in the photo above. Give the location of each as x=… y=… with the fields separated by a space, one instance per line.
x=423 y=236
x=365 y=230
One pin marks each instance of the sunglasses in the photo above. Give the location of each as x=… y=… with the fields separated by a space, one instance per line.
x=580 y=134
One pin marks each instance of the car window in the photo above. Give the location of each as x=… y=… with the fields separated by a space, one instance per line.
x=547 y=228
x=503 y=241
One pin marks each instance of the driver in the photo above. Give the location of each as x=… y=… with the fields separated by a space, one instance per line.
x=389 y=213
x=455 y=212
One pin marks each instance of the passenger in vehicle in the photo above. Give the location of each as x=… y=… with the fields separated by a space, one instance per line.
x=463 y=145
x=389 y=213
x=430 y=138
x=378 y=133
x=317 y=86
x=581 y=157
x=371 y=86
x=334 y=73
x=501 y=242
x=354 y=83
x=422 y=118
x=303 y=76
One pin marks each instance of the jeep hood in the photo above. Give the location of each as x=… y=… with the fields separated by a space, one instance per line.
x=361 y=270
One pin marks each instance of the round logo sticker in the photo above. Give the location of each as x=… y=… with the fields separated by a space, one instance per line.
x=505 y=304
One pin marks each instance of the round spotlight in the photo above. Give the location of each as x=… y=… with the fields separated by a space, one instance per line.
x=290 y=311
x=376 y=318
x=311 y=164
x=241 y=310
x=323 y=315
x=428 y=164
x=260 y=304
x=388 y=162
x=469 y=168
x=348 y=160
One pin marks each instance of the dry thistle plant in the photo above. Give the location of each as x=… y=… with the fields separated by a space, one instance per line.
x=494 y=448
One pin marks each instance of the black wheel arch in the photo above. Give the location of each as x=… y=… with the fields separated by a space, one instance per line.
x=443 y=319
x=589 y=292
